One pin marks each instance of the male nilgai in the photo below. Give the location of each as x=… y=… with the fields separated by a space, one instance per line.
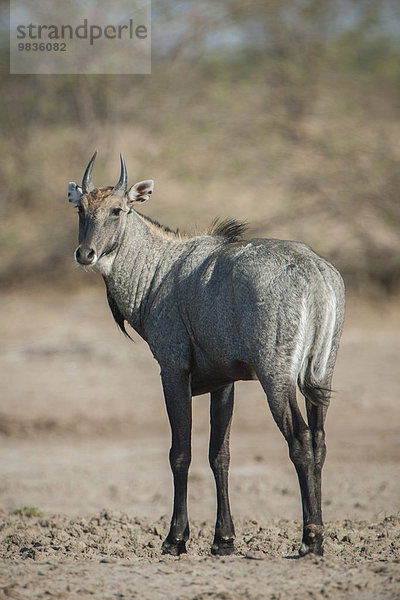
x=215 y=309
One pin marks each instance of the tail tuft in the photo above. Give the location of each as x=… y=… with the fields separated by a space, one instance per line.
x=317 y=395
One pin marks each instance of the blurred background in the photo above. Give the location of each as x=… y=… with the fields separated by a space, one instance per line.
x=282 y=113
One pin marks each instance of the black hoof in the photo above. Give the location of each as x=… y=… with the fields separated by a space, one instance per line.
x=173 y=547
x=312 y=541
x=223 y=547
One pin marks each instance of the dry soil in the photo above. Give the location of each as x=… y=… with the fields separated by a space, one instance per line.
x=84 y=443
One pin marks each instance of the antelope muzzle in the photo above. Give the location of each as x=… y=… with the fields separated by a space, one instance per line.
x=85 y=256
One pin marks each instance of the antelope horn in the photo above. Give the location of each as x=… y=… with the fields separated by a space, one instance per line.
x=87 y=185
x=120 y=188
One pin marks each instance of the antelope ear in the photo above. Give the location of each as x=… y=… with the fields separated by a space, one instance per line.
x=74 y=193
x=141 y=191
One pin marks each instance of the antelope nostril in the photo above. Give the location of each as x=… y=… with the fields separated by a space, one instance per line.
x=85 y=256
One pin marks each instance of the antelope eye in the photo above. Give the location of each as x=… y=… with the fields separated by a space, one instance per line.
x=116 y=211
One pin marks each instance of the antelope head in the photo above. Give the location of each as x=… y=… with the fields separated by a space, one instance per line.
x=103 y=213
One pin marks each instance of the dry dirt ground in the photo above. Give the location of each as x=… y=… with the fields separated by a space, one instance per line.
x=84 y=439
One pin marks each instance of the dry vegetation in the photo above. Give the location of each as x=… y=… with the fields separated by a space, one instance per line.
x=284 y=114
x=292 y=126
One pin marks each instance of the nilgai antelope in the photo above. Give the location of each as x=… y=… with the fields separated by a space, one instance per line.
x=216 y=309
